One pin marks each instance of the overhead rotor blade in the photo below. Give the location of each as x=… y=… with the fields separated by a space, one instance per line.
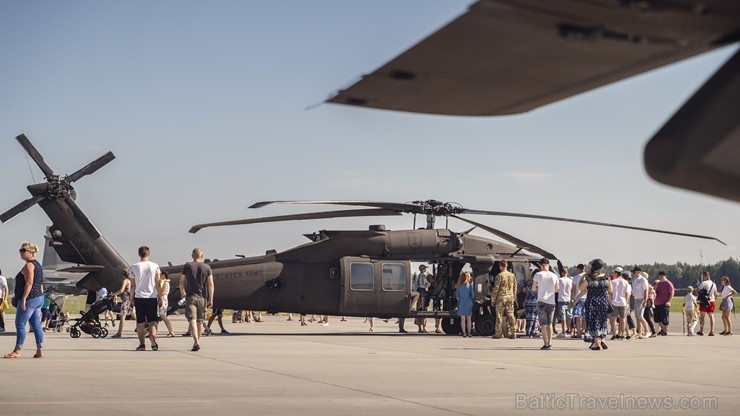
x=82 y=218
x=395 y=206
x=35 y=155
x=508 y=237
x=604 y=224
x=28 y=203
x=306 y=216
x=92 y=167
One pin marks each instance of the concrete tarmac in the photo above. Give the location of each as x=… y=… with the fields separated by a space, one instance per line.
x=281 y=368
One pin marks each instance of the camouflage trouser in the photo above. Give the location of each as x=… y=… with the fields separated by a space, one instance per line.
x=505 y=307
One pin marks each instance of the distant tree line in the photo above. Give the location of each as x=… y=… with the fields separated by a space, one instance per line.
x=683 y=274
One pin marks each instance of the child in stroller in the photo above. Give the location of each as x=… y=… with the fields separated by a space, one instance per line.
x=57 y=318
x=89 y=322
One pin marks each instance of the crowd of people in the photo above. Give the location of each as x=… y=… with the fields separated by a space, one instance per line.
x=595 y=306
x=589 y=306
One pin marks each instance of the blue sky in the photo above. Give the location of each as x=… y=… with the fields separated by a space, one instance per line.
x=205 y=106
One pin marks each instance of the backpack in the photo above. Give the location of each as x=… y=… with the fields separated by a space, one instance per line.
x=703 y=298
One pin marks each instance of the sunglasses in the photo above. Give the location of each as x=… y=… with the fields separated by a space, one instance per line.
x=23 y=250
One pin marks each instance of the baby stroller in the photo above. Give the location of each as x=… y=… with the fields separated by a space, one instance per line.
x=58 y=318
x=89 y=322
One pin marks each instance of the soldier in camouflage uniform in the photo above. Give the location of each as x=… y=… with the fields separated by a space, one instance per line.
x=503 y=297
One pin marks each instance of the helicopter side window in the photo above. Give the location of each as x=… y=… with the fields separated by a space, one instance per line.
x=361 y=276
x=394 y=277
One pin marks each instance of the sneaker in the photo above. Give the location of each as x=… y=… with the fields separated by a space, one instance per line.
x=141 y=347
x=403 y=331
x=700 y=333
x=207 y=331
x=546 y=347
x=187 y=334
x=689 y=334
x=561 y=335
x=711 y=334
x=116 y=336
x=325 y=324
x=223 y=331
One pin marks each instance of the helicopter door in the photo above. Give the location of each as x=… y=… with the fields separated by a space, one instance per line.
x=360 y=287
x=395 y=287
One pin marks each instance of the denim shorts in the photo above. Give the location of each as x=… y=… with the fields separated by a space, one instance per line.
x=545 y=313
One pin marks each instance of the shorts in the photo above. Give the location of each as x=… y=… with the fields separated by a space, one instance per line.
x=639 y=308
x=218 y=311
x=422 y=292
x=195 y=308
x=126 y=309
x=162 y=310
x=146 y=310
x=564 y=311
x=661 y=314
x=708 y=309
x=545 y=312
x=618 y=312
x=727 y=305
x=45 y=314
x=579 y=309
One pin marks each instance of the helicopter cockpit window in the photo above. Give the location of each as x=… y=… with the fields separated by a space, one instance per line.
x=361 y=276
x=394 y=277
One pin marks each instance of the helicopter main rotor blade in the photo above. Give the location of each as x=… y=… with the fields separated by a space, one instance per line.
x=508 y=237
x=92 y=167
x=35 y=155
x=296 y=217
x=604 y=224
x=395 y=206
x=82 y=218
x=28 y=203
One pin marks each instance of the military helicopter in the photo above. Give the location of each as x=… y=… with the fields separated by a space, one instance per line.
x=352 y=273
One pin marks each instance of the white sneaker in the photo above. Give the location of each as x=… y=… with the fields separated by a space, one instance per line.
x=561 y=335
x=325 y=324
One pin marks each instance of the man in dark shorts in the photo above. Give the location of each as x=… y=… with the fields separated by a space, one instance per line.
x=196 y=284
x=663 y=295
x=145 y=276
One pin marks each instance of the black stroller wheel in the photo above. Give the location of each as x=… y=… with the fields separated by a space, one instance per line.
x=96 y=332
x=74 y=332
x=104 y=332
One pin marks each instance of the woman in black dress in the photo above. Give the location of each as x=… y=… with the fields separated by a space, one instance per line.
x=597 y=286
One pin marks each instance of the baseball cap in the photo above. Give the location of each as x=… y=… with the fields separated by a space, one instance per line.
x=618 y=270
x=580 y=266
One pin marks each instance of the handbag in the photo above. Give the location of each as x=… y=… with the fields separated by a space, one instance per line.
x=14 y=301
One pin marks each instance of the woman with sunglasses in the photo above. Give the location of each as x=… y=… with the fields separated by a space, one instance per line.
x=30 y=298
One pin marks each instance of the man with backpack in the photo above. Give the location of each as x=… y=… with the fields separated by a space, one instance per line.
x=707 y=293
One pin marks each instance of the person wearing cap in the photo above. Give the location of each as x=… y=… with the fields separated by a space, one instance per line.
x=579 y=308
x=597 y=286
x=619 y=299
x=503 y=298
x=689 y=308
x=421 y=287
x=664 y=292
x=639 y=293
x=545 y=283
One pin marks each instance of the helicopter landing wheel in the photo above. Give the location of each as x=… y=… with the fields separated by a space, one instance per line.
x=485 y=325
x=451 y=326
